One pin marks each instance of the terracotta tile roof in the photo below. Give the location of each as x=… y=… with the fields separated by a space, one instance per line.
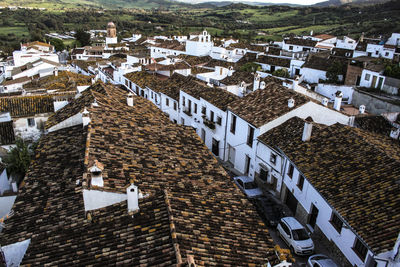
x=276 y=51
x=373 y=123
x=323 y=63
x=208 y=217
x=262 y=106
x=195 y=61
x=65 y=81
x=300 y=42
x=324 y=36
x=174 y=45
x=25 y=106
x=275 y=61
x=356 y=171
x=250 y=47
x=15 y=81
x=7 y=135
x=37 y=43
x=341 y=52
x=76 y=106
x=237 y=77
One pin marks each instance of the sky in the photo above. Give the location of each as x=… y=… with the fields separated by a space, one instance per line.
x=299 y=2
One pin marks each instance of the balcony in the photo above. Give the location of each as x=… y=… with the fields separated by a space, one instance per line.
x=208 y=123
x=187 y=111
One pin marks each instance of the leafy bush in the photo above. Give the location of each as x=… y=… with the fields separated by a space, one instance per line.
x=250 y=67
x=281 y=73
x=18 y=158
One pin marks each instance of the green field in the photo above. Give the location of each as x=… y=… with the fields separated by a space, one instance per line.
x=18 y=31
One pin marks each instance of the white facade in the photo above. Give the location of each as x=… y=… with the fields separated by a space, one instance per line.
x=22 y=57
x=208 y=120
x=346 y=43
x=30 y=128
x=394 y=39
x=372 y=79
x=157 y=52
x=329 y=90
x=201 y=45
x=312 y=75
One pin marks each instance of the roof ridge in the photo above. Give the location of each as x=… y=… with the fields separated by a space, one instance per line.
x=173 y=228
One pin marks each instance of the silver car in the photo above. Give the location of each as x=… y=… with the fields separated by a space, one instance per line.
x=248 y=186
x=320 y=260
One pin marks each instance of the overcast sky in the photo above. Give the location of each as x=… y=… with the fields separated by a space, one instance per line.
x=300 y=2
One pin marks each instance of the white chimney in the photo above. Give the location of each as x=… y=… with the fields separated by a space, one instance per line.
x=93 y=81
x=262 y=85
x=132 y=193
x=307 y=129
x=325 y=101
x=129 y=99
x=395 y=133
x=256 y=83
x=361 y=109
x=96 y=174
x=85 y=117
x=296 y=82
x=338 y=100
x=230 y=71
x=291 y=103
x=55 y=71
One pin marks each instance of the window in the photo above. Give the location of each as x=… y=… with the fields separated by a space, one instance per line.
x=215 y=147
x=300 y=182
x=156 y=98
x=233 y=124
x=183 y=121
x=167 y=102
x=367 y=77
x=195 y=108
x=219 y=120
x=175 y=107
x=263 y=174
x=203 y=135
x=203 y=110
x=290 y=171
x=386 y=54
x=31 y=122
x=175 y=121
x=376 y=52
x=290 y=47
x=272 y=158
x=250 y=136
x=360 y=249
x=190 y=106
x=211 y=115
x=152 y=95
x=336 y=222
x=183 y=101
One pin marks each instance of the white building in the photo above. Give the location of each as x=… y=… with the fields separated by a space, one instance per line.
x=262 y=110
x=320 y=173
x=34 y=51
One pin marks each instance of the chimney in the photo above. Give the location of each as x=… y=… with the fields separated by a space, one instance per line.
x=361 y=109
x=85 y=117
x=362 y=37
x=256 y=83
x=296 y=82
x=338 y=100
x=325 y=101
x=230 y=71
x=132 y=193
x=96 y=174
x=262 y=85
x=395 y=133
x=190 y=261
x=56 y=72
x=129 y=99
x=307 y=129
x=291 y=103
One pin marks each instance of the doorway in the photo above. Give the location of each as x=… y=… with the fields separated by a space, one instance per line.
x=231 y=154
x=247 y=165
x=313 y=216
x=291 y=201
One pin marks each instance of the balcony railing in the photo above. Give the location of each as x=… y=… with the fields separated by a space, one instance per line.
x=187 y=111
x=208 y=123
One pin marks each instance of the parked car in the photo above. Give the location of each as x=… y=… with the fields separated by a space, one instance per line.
x=269 y=210
x=248 y=186
x=320 y=260
x=295 y=236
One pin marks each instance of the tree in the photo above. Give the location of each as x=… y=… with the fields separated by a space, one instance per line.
x=58 y=44
x=18 y=158
x=82 y=37
x=333 y=72
x=250 y=67
x=281 y=73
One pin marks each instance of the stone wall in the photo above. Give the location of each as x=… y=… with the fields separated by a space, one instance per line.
x=376 y=104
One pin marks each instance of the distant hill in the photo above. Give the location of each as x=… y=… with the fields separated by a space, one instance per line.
x=352 y=2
